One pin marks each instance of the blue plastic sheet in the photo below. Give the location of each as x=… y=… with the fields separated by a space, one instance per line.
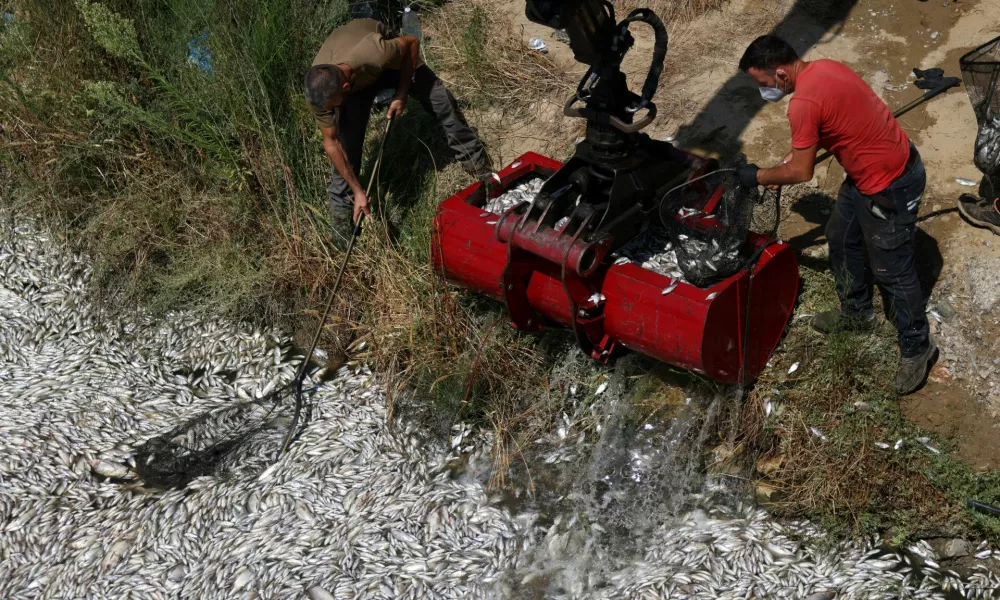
x=198 y=53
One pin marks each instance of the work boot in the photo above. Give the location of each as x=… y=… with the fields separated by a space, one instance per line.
x=913 y=370
x=983 y=213
x=834 y=320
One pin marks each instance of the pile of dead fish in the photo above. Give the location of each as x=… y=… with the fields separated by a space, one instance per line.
x=359 y=508
x=987 y=155
x=524 y=191
x=652 y=249
x=697 y=557
x=729 y=554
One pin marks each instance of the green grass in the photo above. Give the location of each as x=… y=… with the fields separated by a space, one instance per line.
x=843 y=388
x=207 y=190
x=193 y=189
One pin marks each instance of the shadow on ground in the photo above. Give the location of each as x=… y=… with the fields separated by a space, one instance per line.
x=718 y=127
x=815 y=208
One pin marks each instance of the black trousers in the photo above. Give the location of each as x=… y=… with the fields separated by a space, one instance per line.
x=436 y=100
x=858 y=222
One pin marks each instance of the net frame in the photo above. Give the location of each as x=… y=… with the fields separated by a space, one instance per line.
x=241 y=436
x=981 y=73
x=708 y=256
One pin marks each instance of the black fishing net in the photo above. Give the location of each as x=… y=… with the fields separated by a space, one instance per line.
x=981 y=72
x=231 y=440
x=709 y=253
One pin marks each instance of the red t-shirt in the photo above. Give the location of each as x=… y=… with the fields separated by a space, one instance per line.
x=834 y=108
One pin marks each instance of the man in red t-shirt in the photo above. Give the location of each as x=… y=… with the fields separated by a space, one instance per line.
x=834 y=109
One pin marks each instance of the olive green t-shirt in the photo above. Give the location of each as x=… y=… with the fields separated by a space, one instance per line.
x=365 y=45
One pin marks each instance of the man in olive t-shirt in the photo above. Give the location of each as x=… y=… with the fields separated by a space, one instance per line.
x=356 y=61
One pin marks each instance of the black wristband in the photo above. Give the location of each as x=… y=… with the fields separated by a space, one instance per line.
x=748 y=176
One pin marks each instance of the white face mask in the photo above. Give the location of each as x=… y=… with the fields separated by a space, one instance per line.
x=771 y=94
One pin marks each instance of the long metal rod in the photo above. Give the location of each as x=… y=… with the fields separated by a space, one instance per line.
x=300 y=376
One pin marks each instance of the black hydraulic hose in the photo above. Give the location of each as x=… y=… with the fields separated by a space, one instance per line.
x=695 y=180
x=984 y=508
x=660 y=43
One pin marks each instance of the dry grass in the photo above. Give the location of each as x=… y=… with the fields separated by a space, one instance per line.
x=477 y=49
x=671 y=10
x=843 y=392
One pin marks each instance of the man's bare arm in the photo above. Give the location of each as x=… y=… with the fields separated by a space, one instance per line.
x=334 y=149
x=411 y=55
x=798 y=167
x=411 y=50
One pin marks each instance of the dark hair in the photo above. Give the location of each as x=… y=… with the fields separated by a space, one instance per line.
x=322 y=83
x=768 y=52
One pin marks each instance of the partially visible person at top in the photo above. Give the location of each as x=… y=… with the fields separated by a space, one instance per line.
x=354 y=63
x=832 y=108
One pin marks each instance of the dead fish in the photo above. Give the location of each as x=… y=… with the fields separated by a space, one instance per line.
x=112 y=470
x=925 y=442
x=318 y=593
x=243 y=578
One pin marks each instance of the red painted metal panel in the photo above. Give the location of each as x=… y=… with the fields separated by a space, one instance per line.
x=697 y=329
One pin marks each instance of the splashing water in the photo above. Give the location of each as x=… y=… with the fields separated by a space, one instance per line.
x=631 y=513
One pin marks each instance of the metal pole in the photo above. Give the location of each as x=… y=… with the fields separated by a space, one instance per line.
x=300 y=376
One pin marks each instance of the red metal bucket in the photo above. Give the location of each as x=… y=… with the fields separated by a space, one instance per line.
x=698 y=329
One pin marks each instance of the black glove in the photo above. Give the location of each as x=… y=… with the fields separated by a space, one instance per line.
x=748 y=176
x=934 y=73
